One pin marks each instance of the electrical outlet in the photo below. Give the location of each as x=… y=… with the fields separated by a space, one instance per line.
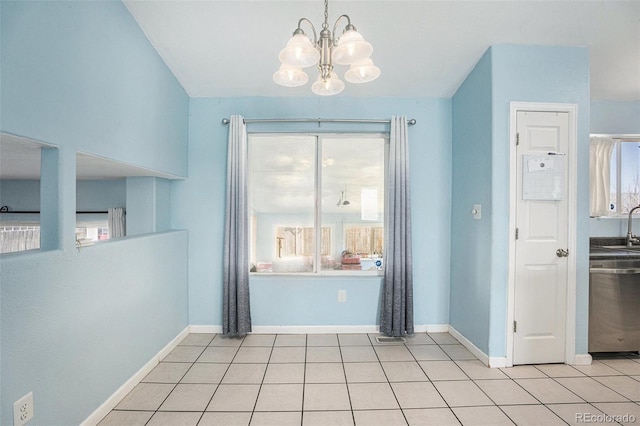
x=477 y=211
x=23 y=410
x=342 y=296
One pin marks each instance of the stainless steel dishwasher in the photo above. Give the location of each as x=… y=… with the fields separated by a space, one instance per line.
x=614 y=305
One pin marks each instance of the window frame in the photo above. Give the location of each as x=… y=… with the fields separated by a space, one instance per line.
x=617 y=155
x=317 y=258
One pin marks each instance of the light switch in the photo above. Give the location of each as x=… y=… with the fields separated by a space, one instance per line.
x=477 y=211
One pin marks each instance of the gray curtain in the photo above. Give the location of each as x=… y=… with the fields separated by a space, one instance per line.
x=396 y=317
x=236 y=319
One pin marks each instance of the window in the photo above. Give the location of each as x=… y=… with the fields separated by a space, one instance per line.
x=93 y=230
x=316 y=202
x=625 y=175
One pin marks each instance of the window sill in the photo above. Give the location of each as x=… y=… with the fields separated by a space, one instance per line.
x=624 y=216
x=341 y=274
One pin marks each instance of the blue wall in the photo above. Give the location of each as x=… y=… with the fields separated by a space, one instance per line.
x=20 y=194
x=82 y=76
x=608 y=117
x=537 y=74
x=90 y=194
x=471 y=239
x=615 y=117
x=524 y=74
x=289 y=301
x=92 y=319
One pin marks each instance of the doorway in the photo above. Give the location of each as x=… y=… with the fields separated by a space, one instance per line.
x=541 y=291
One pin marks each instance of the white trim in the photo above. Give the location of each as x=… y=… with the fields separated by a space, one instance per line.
x=498 y=362
x=104 y=409
x=317 y=329
x=582 y=359
x=484 y=358
x=216 y=329
x=313 y=329
x=570 y=330
x=432 y=328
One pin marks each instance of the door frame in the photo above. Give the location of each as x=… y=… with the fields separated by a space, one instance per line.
x=572 y=166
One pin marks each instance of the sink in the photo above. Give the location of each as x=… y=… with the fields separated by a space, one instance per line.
x=632 y=248
x=614 y=264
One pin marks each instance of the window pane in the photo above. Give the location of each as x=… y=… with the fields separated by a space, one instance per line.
x=282 y=200
x=613 y=179
x=630 y=176
x=353 y=201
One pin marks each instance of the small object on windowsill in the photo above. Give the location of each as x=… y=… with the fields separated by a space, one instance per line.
x=83 y=242
x=349 y=258
x=264 y=267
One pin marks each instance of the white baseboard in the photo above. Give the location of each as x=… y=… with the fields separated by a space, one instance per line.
x=582 y=359
x=104 y=409
x=313 y=329
x=484 y=358
x=317 y=329
x=498 y=362
x=432 y=328
x=216 y=329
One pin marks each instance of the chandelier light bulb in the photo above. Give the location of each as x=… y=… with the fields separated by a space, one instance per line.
x=351 y=48
x=299 y=52
x=362 y=72
x=327 y=87
x=290 y=76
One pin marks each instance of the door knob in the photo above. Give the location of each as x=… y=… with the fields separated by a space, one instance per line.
x=562 y=253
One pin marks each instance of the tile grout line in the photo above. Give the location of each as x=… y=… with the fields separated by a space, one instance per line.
x=346 y=383
x=255 y=404
x=556 y=379
x=304 y=379
x=225 y=371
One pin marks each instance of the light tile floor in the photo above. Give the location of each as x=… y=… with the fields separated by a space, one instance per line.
x=352 y=379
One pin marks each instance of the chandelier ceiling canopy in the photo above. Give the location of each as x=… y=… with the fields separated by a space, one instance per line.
x=348 y=49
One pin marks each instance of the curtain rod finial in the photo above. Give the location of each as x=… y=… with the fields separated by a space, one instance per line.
x=412 y=121
x=225 y=121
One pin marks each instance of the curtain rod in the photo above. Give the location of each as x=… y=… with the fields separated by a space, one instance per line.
x=37 y=212
x=5 y=209
x=615 y=136
x=226 y=121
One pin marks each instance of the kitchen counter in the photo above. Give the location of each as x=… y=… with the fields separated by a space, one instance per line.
x=603 y=248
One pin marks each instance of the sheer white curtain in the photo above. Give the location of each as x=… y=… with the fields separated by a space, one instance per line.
x=19 y=238
x=117 y=227
x=600 y=150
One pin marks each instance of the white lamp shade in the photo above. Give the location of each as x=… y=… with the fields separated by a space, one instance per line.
x=351 y=48
x=299 y=52
x=332 y=86
x=290 y=76
x=362 y=72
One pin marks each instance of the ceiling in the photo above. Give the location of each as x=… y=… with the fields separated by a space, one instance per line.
x=229 y=48
x=424 y=48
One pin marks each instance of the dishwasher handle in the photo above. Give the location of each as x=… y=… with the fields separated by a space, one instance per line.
x=615 y=271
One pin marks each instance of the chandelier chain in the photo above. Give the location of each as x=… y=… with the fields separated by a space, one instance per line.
x=326 y=14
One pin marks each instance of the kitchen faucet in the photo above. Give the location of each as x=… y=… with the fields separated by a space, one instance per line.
x=630 y=237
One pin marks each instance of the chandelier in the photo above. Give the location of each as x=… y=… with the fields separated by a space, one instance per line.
x=348 y=49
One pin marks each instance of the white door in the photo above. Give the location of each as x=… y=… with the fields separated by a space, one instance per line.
x=541 y=247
